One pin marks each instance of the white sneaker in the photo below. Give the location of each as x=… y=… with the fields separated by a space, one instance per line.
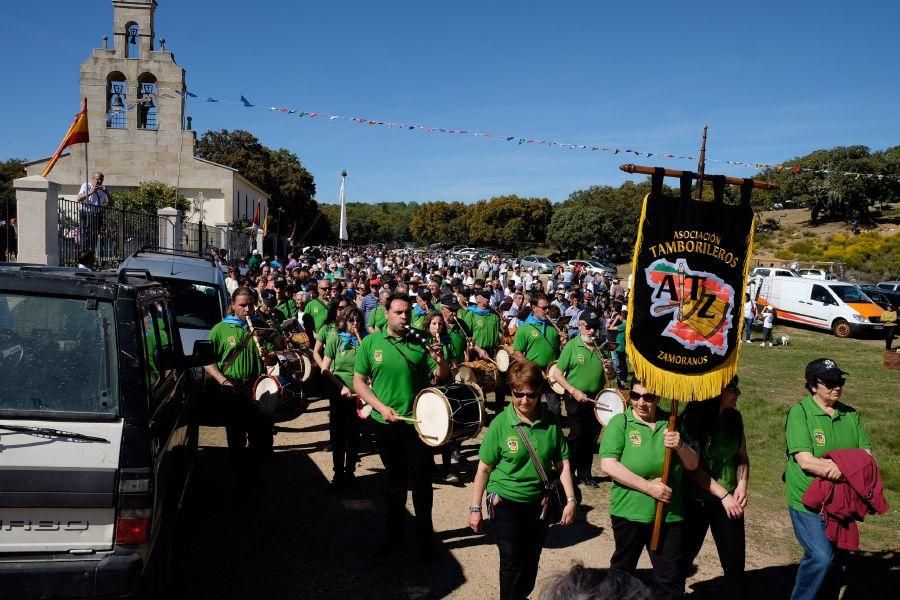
x=770 y=345
x=762 y=344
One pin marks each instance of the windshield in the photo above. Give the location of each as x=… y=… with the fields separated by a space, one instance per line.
x=56 y=356
x=849 y=293
x=196 y=305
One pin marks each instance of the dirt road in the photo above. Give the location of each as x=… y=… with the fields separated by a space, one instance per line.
x=300 y=539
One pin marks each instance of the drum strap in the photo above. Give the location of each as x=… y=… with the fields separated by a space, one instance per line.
x=236 y=353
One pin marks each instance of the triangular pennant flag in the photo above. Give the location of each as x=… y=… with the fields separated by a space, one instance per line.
x=246 y=102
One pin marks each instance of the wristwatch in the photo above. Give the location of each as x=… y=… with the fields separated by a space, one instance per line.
x=571 y=500
x=475 y=509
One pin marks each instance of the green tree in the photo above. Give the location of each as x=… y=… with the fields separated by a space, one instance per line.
x=440 y=222
x=10 y=169
x=509 y=221
x=149 y=197
x=575 y=227
x=618 y=211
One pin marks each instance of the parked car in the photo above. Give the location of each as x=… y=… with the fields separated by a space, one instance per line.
x=880 y=296
x=839 y=307
x=892 y=286
x=594 y=267
x=541 y=264
x=772 y=272
x=196 y=285
x=820 y=274
x=98 y=440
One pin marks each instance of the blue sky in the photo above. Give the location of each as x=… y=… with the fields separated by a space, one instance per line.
x=773 y=80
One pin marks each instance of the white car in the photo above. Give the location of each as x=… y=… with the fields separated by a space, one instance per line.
x=813 y=274
x=593 y=267
x=540 y=264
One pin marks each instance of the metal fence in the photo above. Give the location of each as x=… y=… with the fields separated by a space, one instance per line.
x=114 y=234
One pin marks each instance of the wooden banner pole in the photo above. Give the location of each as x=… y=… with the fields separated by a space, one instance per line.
x=667 y=467
x=642 y=170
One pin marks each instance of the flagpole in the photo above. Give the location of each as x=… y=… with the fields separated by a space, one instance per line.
x=342 y=231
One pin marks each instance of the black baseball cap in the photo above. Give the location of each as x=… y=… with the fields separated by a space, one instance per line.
x=450 y=301
x=823 y=368
x=484 y=293
x=590 y=319
x=424 y=294
x=268 y=297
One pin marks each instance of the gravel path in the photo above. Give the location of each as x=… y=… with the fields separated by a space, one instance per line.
x=300 y=539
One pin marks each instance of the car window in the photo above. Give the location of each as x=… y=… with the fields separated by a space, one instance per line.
x=763 y=272
x=77 y=337
x=196 y=305
x=159 y=340
x=820 y=294
x=849 y=293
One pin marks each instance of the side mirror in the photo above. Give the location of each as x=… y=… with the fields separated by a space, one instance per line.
x=204 y=354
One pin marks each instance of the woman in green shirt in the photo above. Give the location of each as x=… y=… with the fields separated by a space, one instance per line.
x=716 y=492
x=337 y=369
x=433 y=323
x=632 y=452
x=817 y=424
x=515 y=492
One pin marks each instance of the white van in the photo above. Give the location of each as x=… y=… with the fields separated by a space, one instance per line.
x=837 y=306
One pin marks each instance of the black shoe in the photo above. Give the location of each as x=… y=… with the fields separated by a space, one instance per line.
x=339 y=481
x=588 y=482
x=350 y=481
x=456 y=456
x=328 y=447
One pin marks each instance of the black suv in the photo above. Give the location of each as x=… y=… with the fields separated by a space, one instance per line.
x=97 y=436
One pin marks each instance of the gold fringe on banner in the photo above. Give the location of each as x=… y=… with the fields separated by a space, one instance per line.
x=680 y=386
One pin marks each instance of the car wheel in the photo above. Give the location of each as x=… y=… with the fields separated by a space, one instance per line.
x=840 y=328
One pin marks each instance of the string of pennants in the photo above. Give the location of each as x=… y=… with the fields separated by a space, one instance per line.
x=518 y=140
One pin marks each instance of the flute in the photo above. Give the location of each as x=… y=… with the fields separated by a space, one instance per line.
x=259 y=348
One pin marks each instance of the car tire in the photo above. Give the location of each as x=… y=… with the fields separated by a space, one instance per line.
x=840 y=328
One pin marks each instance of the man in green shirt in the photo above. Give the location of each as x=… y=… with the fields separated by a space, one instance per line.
x=286 y=303
x=377 y=318
x=484 y=325
x=389 y=372
x=581 y=371
x=236 y=369
x=449 y=308
x=317 y=308
x=421 y=308
x=538 y=341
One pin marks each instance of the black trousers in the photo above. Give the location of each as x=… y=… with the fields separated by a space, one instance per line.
x=520 y=538
x=702 y=515
x=584 y=431
x=408 y=462
x=249 y=434
x=89 y=224
x=632 y=537
x=344 y=426
x=889 y=337
x=554 y=402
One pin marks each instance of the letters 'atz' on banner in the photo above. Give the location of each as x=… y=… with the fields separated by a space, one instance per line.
x=688 y=283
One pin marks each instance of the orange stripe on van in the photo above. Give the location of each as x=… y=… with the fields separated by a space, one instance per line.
x=866 y=309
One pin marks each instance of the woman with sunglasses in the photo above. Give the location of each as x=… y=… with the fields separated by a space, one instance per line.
x=818 y=424
x=515 y=492
x=436 y=327
x=716 y=492
x=632 y=452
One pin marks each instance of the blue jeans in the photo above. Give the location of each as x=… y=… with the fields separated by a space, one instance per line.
x=818 y=556
x=748 y=328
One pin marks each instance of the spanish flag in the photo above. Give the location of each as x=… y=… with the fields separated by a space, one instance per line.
x=265 y=223
x=256 y=216
x=77 y=134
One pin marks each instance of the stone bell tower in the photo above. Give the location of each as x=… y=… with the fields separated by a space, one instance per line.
x=133 y=27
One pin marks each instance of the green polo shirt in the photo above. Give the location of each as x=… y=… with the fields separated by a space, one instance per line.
x=641 y=449
x=514 y=476
x=540 y=348
x=386 y=362
x=377 y=318
x=418 y=319
x=582 y=366
x=328 y=331
x=318 y=310
x=226 y=337
x=719 y=437
x=810 y=429
x=458 y=339
x=288 y=307
x=343 y=359
x=485 y=329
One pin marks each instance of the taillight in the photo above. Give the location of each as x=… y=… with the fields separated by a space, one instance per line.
x=133 y=511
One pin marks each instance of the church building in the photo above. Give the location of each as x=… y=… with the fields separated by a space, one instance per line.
x=136 y=96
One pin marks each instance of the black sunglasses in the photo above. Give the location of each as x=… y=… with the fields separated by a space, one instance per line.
x=525 y=394
x=733 y=389
x=833 y=383
x=648 y=397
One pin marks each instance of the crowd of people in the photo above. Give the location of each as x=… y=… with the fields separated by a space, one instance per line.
x=384 y=325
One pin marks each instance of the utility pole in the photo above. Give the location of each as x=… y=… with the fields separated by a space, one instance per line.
x=701 y=166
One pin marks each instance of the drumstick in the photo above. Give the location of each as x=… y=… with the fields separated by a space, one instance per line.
x=408 y=419
x=262 y=354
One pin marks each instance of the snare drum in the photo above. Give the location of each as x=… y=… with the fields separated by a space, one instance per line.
x=448 y=413
x=294 y=363
x=504 y=358
x=482 y=373
x=300 y=340
x=609 y=403
x=271 y=393
x=554 y=384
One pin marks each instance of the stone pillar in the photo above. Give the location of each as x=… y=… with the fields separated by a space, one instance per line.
x=169 y=228
x=37 y=199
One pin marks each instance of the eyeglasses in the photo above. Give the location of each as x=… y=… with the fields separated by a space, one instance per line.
x=833 y=383
x=648 y=397
x=544 y=307
x=525 y=394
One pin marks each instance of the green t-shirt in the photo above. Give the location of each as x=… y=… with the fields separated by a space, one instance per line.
x=326 y=332
x=485 y=328
x=641 y=449
x=381 y=358
x=343 y=359
x=583 y=367
x=620 y=337
x=810 y=429
x=541 y=348
x=719 y=437
x=289 y=308
x=226 y=337
x=377 y=318
x=514 y=476
x=318 y=310
x=458 y=340
x=418 y=317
